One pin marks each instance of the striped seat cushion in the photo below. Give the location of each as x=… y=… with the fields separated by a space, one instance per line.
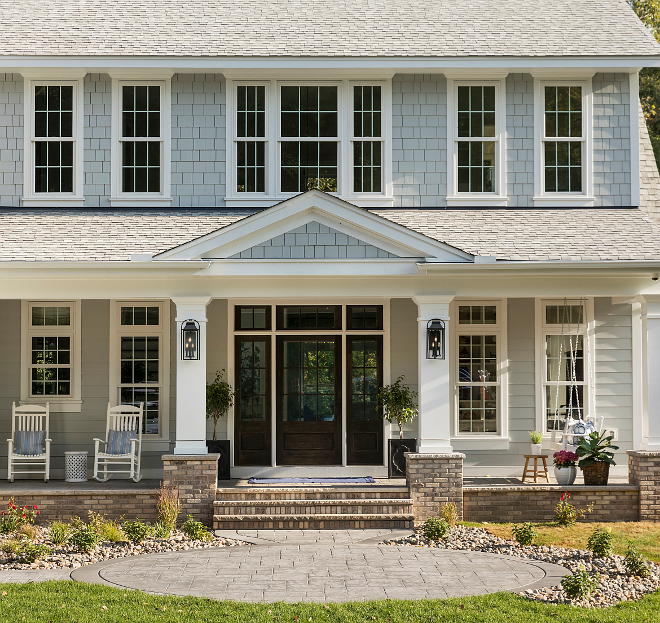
x=30 y=442
x=119 y=441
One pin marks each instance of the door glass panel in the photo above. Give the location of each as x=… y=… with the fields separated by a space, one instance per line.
x=364 y=384
x=253 y=380
x=308 y=372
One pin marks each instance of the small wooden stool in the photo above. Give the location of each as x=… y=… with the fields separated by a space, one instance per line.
x=535 y=471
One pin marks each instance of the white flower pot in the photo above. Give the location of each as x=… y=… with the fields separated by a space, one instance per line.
x=537 y=448
x=565 y=475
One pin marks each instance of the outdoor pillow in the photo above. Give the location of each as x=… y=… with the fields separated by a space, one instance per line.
x=583 y=429
x=119 y=441
x=29 y=442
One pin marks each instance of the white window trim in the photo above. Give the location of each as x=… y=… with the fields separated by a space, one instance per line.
x=30 y=197
x=476 y=441
x=58 y=404
x=121 y=199
x=499 y=197
x=273 y=193
x=541 y=330
x=160 y=441
x=563 y=199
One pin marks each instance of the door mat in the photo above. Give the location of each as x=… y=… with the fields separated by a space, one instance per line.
x=333 y=481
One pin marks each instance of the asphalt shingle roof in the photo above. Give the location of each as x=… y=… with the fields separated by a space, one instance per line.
x=31 y=234
x=319 y=28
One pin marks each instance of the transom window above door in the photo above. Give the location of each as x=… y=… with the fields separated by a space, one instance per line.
x=289 y=137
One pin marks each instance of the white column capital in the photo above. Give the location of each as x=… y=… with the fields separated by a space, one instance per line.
x=191 y=308
x=433 y=306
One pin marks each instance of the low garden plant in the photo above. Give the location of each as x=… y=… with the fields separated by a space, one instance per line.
x=14 y=517
x=635 y=562
x=196 y=530
x=136 y=530
x=168 y=507
x=600 y=542
x=525 y=533
x=160 y=531
x=449 y=513
x=566 y=514
x=58 y=532
x=580 y=584
x=28 y=552
x=435 y=529
x=83 y=536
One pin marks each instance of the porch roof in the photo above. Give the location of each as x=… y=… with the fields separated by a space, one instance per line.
x=538 y=234
x=317 y=28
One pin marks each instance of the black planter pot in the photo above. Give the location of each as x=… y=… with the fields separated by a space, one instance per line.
x=396 y=465
x=221 y=447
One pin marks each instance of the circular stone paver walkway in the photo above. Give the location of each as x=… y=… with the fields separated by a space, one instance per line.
x=312 y=565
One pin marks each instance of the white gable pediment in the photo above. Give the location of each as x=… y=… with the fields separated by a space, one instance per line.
x=314 y=225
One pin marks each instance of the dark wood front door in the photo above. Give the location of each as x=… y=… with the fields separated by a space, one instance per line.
x=364 y=425
x=308 y=400
x=252 y=429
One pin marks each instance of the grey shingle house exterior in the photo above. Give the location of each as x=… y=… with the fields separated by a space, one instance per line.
x=313 y=184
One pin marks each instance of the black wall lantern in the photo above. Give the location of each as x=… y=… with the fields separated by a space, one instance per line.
x=190 y=340
x=435 y=337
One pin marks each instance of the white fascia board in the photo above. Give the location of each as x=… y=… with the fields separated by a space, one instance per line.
x=110 y=268
x=572 y=267
x=323 y=208
x=386 y=65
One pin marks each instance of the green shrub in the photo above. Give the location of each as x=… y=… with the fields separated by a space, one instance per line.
x=28 y=552
x=600 y=542
x=196 y=530
x=111 y=531
x=59 y=532
x=9 y=547
x=161 y=531
x=27 y=531
x=168 y=505
x=566 y=514
x=449 y=513
x=579 y=585
x=635 y=562
x=14 y=517
x=435 y=529
x=83 y=536
x=136 y=530
x=525 y=534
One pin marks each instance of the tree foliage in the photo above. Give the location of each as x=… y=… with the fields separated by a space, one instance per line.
x=399 y=403
x=219 y=398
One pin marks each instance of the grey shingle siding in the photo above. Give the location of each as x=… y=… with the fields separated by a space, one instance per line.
x=520 y=139
x=343 y=28
x=11 y=139
x=97 y=100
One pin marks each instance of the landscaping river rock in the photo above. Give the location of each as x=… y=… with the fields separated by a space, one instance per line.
x=614 y=584
x=67 y=557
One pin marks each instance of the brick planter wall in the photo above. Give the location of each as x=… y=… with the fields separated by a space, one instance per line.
x=537 y=503
x=434 y=479
x=63 y=505
x=644 y=471
x=196 y=477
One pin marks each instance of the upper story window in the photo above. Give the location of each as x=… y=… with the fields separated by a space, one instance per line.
x=53 y=147
x=141 y=145
x=292 y=137
x=476 y=149
x=563 y=154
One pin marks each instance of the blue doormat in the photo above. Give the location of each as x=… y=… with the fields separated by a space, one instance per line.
x=334 y=481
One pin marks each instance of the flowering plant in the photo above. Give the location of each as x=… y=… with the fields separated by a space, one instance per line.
x=564 y=458
x=15 y=517
x=566 y=514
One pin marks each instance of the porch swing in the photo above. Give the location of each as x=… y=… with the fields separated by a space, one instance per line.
x=576 y=424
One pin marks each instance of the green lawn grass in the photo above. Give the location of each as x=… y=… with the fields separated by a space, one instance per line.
x=60 y=602
x=644 y=534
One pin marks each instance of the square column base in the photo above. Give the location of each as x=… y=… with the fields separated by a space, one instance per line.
x=644 y=471
x=190 y=447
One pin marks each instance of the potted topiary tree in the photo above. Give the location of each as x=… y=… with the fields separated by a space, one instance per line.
x=399 y=404
x=596 y=457
x=219 y=399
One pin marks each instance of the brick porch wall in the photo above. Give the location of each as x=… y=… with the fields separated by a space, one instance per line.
x=537 y=503
x=433 y=480
x=196 y=477
x=64 y=505
x=644 y=471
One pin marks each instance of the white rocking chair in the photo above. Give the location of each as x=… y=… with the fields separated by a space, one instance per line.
x=29 y=444
x=123 y=443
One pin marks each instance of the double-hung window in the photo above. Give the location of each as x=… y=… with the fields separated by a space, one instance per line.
x=476 y=142
x=53 y=144
x=141 y=145
x=290 y=137
x=140 y=362
x=563 y=154
x=478 y=347
x=51 y=354
x=566 y=360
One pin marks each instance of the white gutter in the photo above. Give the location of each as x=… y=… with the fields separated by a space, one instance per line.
x=650 y=267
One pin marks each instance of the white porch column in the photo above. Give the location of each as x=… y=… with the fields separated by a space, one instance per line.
x=191 y=381
x=652 y=374
x=434 y=435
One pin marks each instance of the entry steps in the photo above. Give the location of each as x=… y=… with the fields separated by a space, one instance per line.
x=312 y=508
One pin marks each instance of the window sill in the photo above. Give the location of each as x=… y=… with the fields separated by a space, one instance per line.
x=142 y=201
x=476 y=442
x=563 y=201
x=51 y=202
x=254 y=202
x=494 y=201
x=69 y=405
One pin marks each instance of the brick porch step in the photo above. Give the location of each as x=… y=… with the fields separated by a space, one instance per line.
x=312 y=493
x=379 y=506
x=311 y=522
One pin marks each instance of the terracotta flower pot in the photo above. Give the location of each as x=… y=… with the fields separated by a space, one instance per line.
x=596 y=474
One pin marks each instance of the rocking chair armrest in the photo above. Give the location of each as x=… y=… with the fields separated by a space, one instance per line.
x=135 y=441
